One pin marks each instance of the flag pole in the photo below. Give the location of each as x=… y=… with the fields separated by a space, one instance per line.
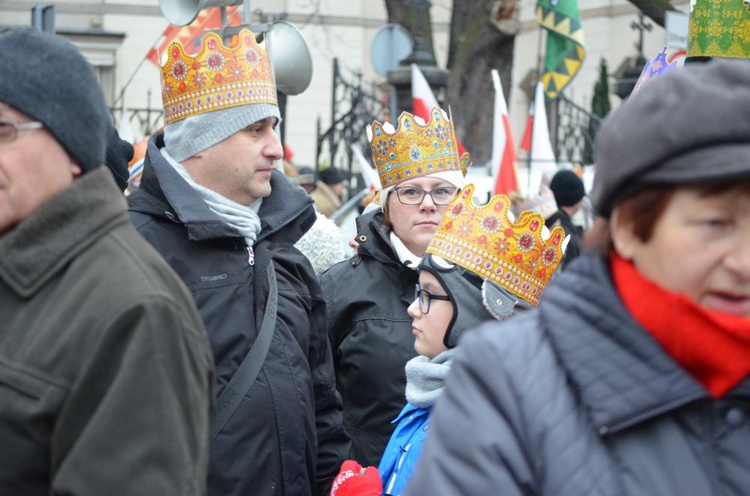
x=539 y=67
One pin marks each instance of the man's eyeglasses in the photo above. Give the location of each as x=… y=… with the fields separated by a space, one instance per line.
x=9 y=130
x=414 y=196
x=425 y=297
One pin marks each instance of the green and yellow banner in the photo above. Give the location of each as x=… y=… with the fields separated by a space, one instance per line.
x=565 y=50
x=719 y=28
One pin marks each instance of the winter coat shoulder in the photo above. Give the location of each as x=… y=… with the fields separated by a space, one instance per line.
x=106 y=374
x=576 y=398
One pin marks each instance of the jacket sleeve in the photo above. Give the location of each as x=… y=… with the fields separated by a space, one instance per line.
x=136 y=420
x=333 y=441
x=476 y=441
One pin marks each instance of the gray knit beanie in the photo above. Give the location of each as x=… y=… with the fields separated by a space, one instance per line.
x=46 y=78
x=474 y=299
x=689 y=126
x=186 y=137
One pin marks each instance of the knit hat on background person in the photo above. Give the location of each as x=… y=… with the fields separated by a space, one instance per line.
x=416 y=149
x=567 y=188
x=212 y=95
x=488 y=264
x=119 y=154
x=687 y=127
x=48 y=79
x=331 y=176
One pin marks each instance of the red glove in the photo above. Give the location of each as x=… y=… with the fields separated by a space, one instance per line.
x=353 y=480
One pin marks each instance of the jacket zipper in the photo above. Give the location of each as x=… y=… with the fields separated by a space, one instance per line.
x=250 y=256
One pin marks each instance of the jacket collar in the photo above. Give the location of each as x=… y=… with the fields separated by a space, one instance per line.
x=59 y=230
x=182 y=204
x=622 y=374
x=373 y=236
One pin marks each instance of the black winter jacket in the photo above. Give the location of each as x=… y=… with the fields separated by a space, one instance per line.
x=578 y=399
x=370 y=332
x=290 y=420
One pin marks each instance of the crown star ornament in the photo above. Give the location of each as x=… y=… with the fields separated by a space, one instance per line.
x=519 y=256
x=415 y=148
x=217 y=77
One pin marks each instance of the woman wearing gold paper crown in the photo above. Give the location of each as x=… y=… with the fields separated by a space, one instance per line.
x=632 y=376
x=479 y=266
x=368 y=295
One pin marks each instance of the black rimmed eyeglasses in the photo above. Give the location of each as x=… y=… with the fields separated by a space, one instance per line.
x=9 y=130
x=409 y=195
x=425 y=297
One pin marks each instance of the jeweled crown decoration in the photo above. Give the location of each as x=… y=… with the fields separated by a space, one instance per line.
x=217 y=77
x=415 y=149
x=514 y=255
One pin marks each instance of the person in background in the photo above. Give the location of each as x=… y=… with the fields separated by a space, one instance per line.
x=213 y=204
x=106 y=374
x=458 y=290
x=334 y=179
x=326 y=198
x=368 y=295
x=569 y=193
x=322 y=244
x=631 y=377
x=119 y=153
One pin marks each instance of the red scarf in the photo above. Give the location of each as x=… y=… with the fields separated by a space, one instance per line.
x=714 y=347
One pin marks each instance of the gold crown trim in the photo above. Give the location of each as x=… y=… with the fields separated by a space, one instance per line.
x=414 y=149
x=217 y=77
x=482 y=239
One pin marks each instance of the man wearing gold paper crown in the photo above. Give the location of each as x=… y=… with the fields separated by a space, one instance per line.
x=106 y=374
x=368 y=295
x=632 y=376
x=213 y=204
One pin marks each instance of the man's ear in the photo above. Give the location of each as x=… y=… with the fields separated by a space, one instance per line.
x=622 y=234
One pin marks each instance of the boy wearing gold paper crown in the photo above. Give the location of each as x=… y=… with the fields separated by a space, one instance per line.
x=213 y=204
x=632 y=376
x=462 y=282
x=368 y=295
x=106 y=374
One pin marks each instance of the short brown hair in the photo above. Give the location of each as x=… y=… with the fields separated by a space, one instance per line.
x=641 y=212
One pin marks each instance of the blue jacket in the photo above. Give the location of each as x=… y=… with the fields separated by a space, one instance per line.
x=403 y=450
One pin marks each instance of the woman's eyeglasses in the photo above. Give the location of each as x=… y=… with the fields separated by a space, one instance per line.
x=415 y=196
x=425 y=297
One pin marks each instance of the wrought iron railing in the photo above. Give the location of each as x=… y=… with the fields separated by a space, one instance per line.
x=352 y=109
x=576 y=129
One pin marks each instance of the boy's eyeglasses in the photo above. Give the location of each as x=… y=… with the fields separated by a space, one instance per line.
x=425 y=297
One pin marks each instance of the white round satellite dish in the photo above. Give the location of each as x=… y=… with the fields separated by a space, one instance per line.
x=391 y=44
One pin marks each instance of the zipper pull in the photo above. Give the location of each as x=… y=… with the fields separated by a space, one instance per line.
x=250 y=255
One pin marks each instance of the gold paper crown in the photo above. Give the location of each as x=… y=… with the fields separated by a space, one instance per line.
x=217 y=77
x=482 y=239
x=414 y=149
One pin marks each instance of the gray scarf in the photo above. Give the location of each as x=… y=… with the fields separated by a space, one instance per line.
x=425 y=376
x=244 y=219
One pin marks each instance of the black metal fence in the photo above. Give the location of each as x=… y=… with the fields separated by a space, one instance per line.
x=352 y=109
